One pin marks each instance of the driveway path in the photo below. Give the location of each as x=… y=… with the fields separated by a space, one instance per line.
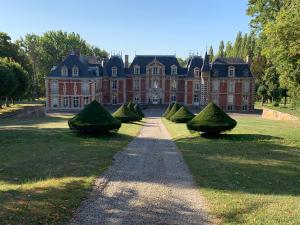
x=148 y=183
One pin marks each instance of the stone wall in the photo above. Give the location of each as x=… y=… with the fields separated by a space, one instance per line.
x=275 y=115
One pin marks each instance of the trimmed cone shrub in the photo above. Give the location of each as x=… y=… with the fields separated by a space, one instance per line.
x=173 y=110
x=138 y=110
x=125 y=114
x=211 y=120
x=168 y=109
x=130 y=106
x=183 y=115
x=94 y=120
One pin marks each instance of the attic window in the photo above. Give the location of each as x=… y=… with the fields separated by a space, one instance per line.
x=155 y=70
x=173 y=70
x=64 y=71
x=114 y=71
x=231 y=71
x=136 y=69
x=75 y=71
x=196 y=72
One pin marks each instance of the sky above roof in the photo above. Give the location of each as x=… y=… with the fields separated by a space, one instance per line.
x=132 y=27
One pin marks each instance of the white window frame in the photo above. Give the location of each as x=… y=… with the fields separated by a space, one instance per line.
x=174 y=84
x=244 y=107
x=231 y=86
x=86 y=100
x=75 y=100
x=173 y=70
x=155 y=70
x=85 y=87
x=173 y=98
x=54 y=101
x=75 y=71
x=230 y=107
x=230 y=99
x=114 y=71
x=246 y=86
x=114 y=84
x=155 y=83
x=196 y=98
x=136 y=70
x=114 y=100
x=136 y=84
x=54 y=86
x=64 y=71
x=215 y=86
x=231 y=71
x=196 y=72
x=65 y=101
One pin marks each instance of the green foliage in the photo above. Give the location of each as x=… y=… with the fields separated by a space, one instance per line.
x=211 y=120
x=168 y=109
x=221 y=52
x=182 y=62
x=183 y=115
x=173 y=110
x=125 y=115
x=94 y=119
x=138 y=110
x=211 y=53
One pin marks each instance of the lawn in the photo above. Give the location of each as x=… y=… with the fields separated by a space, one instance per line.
x=15 y=108
x=249 y=176
x=46 y=170
x=289 y=108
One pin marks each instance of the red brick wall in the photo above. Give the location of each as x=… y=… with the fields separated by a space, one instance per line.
x=223 y=100
x=223 y=87
x=181 y=85
x=189 y=98
x=120 y=91
x=180 y=97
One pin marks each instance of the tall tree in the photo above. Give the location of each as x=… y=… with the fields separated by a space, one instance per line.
x=221 y=49
x=211 y=53
x=237 y=47
x=228 y=49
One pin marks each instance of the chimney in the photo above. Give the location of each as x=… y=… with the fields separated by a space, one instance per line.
x=126 y=61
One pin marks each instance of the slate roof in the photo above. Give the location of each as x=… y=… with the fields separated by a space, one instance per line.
x=114 y=61
x=195 y=61
x=205 y=66
x=219 y=68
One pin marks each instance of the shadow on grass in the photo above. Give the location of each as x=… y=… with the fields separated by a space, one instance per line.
x=250 y=163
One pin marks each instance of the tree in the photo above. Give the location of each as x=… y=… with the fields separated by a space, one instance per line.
x=237 y=47
x=221 y=49
x=228 y=49
x=262 y=93
x=182 y=62
x=211 y=53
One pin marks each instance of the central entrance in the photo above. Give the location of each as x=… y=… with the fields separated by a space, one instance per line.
x=155 y=99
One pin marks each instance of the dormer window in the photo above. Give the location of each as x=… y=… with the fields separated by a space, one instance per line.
x=155 y=70
x=114 y=71
x=173 y=70
x=64 y=71
x=196 y=72
x=136 y=69
x=75 y=71
x=231 y=71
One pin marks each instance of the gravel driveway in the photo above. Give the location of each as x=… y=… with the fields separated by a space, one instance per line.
x=148 y=183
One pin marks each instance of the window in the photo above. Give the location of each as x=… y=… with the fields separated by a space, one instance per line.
x=54 y=87
x=64 y=71
x=136 y=69
x=136 y=98
x=66 y=102
x=114 y=84
x=215 y=86
x=114 y=100
x=174 y=84
x=173 y=70
x=231 y=71
x=196 y=85
x=54 y=102
x=173 y=98
x=231 y=86
x=244 y=107
x=246 y=87
x=85 y=88
x=114 y=71
x=196 y=98
x=136 y=84
x=76 y=102
x=155 y=70
x=245 y=98
x=155 y=83
x=246 y=73
x=230 y=99
x=196 y=72
x=229 y=107
x=86 y=100
x=75 y=71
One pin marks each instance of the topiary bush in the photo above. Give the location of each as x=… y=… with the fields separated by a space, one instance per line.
x=211 y=120
x=125 y=115
x=168 y=109
x=94 y=120
x=173 y=110
x=183 y=115
x=138 y=110
x=130 y=106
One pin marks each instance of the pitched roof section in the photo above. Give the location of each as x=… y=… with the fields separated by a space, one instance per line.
x=205 y=66
x=114 y=61
x=220 y=67
x=194 y=62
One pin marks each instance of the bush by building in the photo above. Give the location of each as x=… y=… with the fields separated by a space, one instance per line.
x=125 y=115
x=173 y=110
x=138 y=109
x=168 y=109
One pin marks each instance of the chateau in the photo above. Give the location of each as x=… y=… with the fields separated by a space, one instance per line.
x=150 y=79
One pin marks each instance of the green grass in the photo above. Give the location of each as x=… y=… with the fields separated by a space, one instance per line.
x=14 y=108
x=293 y=110
x=46 y=170
x=251 y=175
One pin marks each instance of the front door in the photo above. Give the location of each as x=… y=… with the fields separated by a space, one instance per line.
x=155 y=99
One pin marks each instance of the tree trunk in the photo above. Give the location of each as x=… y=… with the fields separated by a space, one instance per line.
x=284 y=101
x=6 y=102
x=262 y=100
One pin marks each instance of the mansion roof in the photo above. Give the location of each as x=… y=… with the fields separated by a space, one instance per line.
x=90 y=66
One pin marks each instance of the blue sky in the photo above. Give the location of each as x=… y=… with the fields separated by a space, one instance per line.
x=131 y=26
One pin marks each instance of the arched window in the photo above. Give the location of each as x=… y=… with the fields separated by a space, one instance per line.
x=196 y=72
x=75 y=71
x=64 y=71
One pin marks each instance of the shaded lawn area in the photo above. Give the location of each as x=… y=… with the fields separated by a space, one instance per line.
x=46 y=170
x=251 y=175
x=15 y=108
